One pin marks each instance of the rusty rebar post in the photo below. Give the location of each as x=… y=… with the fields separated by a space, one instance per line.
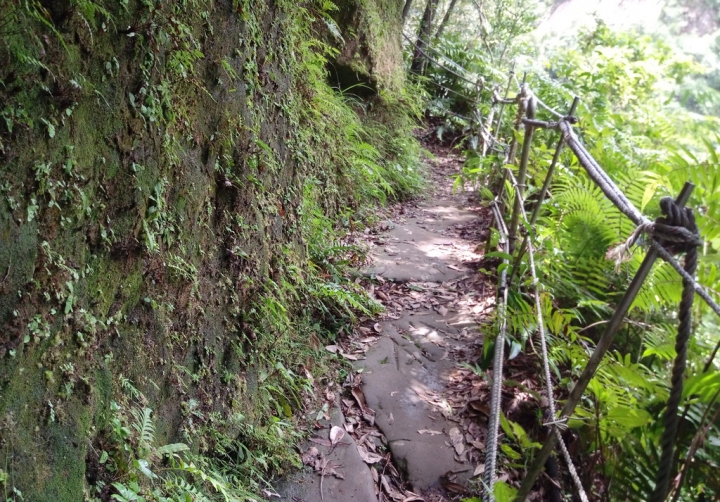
x=530 y=105
x=542 y=194
x=502 y=105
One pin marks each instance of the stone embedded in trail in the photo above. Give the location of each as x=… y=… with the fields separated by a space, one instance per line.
x=423 y=249
x=427 y=331
x=344 y=473
x=403 y=381
x=408 y=383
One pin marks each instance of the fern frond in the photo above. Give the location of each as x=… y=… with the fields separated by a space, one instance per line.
x=662 y=288
x=144 y=427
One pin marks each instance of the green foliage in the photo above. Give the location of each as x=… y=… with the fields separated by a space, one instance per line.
x=147 y=472
x=641 y=120
x=187 y=195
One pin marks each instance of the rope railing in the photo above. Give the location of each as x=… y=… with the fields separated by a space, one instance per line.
x=675 y=232
x=498 y=355
x=439 y=85
x=658 y=230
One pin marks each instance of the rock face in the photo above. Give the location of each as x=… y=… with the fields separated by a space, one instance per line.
x=157 y=160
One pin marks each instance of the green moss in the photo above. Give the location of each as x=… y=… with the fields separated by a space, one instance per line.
x=165 y=160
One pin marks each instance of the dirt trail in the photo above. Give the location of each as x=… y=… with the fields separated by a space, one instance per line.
x=410 y=394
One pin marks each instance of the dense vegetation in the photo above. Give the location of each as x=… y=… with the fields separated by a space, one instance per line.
x=649 y=115
x=178 y=179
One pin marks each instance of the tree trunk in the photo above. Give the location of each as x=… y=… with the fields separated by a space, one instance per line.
x=406 y=9
x=418 y=62
x=446 y=18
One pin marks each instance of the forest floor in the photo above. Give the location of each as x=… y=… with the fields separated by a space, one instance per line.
x=410 y=422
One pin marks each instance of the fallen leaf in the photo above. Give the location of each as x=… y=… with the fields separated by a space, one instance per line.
x=308 y=458
x=359 y=396
x=367 y=413
x=336 y=434
x=391 y=419
x=428 y=431
x=457 y=439
x=479 y=406
x=479 y=470
x=369 y=457
x=442 y=311
x=320 y=441
x=382 y=296
x=392 y=492
x=332 y=348
x=455 y=488
x=377 y=327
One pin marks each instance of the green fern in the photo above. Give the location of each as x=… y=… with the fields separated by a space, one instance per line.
x=145 y=429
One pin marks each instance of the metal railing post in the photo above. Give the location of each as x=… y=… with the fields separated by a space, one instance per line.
x=542 y=194
x=530 y=106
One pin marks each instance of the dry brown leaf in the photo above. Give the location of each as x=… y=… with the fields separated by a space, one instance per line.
x=308 y=458
x=479 y=406
x=359 y=396
x=457 y=439
x=336 y=434
x=428 y=431
x=453 y=487
x=320 y=441
x=369 y=457
x=382 y=296
x=442 y=311
x=392 y=492
x=332 y=348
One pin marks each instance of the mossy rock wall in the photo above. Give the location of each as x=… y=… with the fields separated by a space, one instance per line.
x=155 y=158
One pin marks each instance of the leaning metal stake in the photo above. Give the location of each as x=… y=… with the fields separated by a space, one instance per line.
x=541 y=196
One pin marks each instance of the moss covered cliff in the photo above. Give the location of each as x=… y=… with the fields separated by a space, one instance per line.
x=174 y=176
